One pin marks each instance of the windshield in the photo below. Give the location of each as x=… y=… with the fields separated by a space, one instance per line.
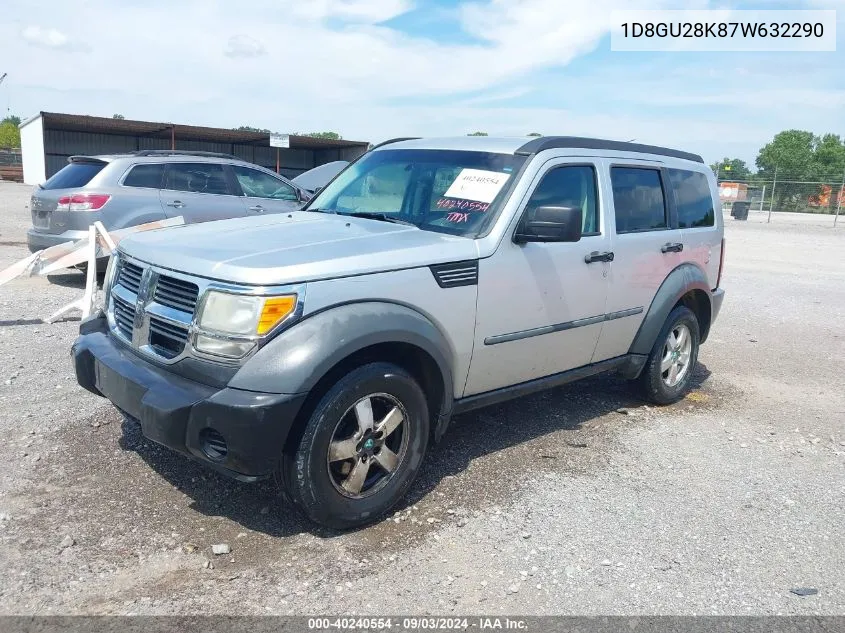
x=446 y=191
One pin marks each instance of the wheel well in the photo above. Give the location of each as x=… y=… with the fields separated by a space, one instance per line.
x=699 y=303
x=411 y=358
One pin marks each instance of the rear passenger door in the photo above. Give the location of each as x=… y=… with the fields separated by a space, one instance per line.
x=646 y=249
x=265 y=193
x=199 y=192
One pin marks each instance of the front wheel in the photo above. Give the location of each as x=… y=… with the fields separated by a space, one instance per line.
x=361 y=449
x=668 y=372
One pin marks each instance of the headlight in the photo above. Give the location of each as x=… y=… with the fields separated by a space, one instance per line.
x=244 y=315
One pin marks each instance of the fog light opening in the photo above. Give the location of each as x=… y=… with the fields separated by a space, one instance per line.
x=213 y=444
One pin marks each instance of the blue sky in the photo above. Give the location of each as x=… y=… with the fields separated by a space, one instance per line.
x=373 y=69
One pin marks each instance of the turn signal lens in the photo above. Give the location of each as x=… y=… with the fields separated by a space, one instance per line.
x=275 y=309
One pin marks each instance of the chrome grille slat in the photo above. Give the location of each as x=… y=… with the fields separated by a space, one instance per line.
x=130 y=276
x=124 y=315
x=167 y=339
x=176 y=293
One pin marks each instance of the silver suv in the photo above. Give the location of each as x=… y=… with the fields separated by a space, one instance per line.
x=332 y=346
x=129 y=189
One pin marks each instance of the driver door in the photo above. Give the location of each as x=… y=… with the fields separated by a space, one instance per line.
x=541 y=305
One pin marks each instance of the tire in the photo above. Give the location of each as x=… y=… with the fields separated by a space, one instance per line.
x=324 y=484
x=656 y=382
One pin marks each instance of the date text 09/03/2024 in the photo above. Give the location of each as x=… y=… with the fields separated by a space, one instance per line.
x=423 y=623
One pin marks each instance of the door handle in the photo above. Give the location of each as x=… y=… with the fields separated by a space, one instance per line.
x=597 y=256
x=176 y=204
x=258 y=208
x=672 y=247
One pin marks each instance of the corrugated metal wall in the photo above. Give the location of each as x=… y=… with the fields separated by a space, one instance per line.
x=59 y=144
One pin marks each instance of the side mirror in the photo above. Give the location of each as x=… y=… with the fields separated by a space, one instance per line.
x=551 y=224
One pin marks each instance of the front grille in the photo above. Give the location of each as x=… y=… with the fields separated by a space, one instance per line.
x=124 y=315
x=167 y=338
x=130 y=276
x=176 y=293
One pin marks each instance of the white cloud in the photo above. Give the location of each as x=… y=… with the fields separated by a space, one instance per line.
x=51 y=38
x=370 y=11
x=333 y=64
x=244 y=46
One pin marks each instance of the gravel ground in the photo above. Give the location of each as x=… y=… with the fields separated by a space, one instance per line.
x=582 y=500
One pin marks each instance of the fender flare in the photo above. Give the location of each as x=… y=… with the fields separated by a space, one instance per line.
x=679 y=282
x=297 y=358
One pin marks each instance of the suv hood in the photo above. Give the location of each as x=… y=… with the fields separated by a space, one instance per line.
x=292 y=248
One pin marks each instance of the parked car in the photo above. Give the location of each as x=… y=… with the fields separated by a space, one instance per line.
x=332 y=346
x=314 y=179
x=128 y=189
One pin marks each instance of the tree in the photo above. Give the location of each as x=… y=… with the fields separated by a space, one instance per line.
x=118 y=116
x=12 y=118
x=333 y=136
x=800 y=158
x=829 y=157
x=731 y=169
x=247 y=128
x=790 y=153
x=478 y=134
x=10 y=135
x=534 y=134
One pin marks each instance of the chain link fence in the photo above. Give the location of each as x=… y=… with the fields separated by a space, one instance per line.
x=786 y=193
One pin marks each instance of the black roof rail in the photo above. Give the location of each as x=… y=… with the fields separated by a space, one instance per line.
x=184 y=152
x=395 y=140
x=537 y=145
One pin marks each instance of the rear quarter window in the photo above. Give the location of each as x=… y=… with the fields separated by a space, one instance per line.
x=692 y=198
x=148 y=176
x=74 y=175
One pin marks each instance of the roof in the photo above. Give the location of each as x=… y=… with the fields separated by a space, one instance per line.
x=103 y=125
x=496 y=145
x=526 y=146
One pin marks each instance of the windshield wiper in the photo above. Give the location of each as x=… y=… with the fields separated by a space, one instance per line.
x=384 y=217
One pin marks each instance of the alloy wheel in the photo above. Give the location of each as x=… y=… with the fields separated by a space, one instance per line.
x=368 y=445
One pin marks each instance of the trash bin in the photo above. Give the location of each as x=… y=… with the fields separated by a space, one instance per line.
x=739 y=210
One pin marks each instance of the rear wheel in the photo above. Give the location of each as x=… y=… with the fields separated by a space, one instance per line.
x=361 y=449
x=668 y=372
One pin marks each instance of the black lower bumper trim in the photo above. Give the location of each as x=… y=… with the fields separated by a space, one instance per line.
x=179 y=413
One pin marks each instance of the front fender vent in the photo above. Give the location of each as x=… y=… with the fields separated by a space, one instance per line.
x=456 y=274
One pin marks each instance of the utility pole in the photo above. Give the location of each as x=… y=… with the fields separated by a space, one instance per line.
x=839 y=201
x=772 y=203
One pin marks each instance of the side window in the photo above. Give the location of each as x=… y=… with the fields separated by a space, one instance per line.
x=692 y=198
x=638 y=199
x=148 y=176
x=196 y=178
x=570 y=186
x=257 y=184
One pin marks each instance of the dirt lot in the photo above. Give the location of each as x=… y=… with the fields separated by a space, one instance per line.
x=578 y=501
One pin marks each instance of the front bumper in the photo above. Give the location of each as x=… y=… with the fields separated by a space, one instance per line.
x=185 y=415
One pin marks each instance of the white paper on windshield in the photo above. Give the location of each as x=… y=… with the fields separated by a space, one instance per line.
x=477 y=184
